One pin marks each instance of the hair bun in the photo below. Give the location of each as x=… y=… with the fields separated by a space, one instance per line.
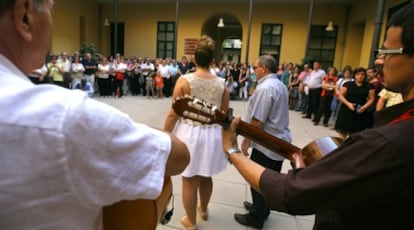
x=205 y=42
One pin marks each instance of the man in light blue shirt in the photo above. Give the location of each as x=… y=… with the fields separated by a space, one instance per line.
x=268 y=109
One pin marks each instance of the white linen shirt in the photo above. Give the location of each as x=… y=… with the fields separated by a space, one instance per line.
x=64 y=156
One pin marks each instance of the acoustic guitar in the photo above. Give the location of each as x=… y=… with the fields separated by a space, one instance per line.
x=201 y=111
x=137 y=214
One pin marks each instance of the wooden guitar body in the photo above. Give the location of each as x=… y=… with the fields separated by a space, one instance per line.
x=319 y=148
x=137 y=214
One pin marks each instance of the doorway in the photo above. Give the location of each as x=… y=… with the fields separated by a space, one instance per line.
x=228 y=38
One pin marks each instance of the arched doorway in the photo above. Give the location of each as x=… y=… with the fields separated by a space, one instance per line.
x=228 y=38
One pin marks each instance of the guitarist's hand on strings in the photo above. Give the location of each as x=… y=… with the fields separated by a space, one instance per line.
x=298 y=160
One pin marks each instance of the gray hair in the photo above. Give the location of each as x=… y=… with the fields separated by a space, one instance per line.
x=268 y=61
x=7 y=4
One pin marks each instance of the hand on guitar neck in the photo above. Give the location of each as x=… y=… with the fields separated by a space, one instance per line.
x=201 y=111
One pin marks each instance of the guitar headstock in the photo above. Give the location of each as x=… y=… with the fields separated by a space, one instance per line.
x=198 y=110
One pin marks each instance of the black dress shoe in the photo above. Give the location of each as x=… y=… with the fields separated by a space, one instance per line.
x=247 y=205
x=306 y=116
x=247 y=220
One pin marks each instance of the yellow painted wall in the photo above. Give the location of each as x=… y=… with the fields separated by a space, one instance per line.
x=141 y=20
x=66 y=25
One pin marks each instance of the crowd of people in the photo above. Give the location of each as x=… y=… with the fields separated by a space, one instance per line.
x=348 y=98
x=151 y=77
x=317 y=93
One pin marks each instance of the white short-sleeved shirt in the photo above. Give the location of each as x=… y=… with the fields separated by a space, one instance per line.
x=64 y=156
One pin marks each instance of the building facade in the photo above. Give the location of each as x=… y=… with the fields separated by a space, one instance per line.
x=292 y=31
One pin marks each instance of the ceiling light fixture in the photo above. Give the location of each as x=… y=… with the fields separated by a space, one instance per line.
x=330 y=26
x=221 y=23
x=106 y=22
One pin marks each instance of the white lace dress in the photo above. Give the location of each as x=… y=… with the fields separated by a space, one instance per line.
x=203 y=141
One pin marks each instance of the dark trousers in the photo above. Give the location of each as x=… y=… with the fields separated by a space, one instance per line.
x=324 y=109
x=134 y=87
x=260 y=211
x=118 y=87
x=67 y=80
x=313 y=102
x=167 y=87
x=104 y=85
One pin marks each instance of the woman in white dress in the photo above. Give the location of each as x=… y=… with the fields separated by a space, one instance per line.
x=203 y=141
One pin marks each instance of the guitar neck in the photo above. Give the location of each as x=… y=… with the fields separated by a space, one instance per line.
x=201 y=111
x=266 y=140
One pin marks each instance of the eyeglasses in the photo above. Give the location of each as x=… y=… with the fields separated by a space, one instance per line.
x=255 y=67
x=382 y=53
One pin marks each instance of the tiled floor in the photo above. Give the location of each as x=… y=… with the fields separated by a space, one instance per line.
x=229 y=189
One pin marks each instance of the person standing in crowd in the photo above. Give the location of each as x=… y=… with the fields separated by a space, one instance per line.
x=244 y=81
x=302 y=105
x=175 y=73
x=192 y=67
x=90 y=66
x=75 y=154
x=104 y=83
x=203 y=140
x=293 y=87
x=183 y=65
x=135 y=77
x=67 y=65
x=55 y=71
x=314 y=82
x=267 y=109
x=120 y=68
x=280 y=71
x=164 y=72
x=77 y=70
x=356 y=96
x=345 y=76
x=287 y=73
x=159 y=85
x=378 y=83
x=148 y=69
x=327 y=94
x=368 y=182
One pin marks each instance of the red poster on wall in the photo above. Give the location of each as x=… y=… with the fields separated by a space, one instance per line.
x=190 y=45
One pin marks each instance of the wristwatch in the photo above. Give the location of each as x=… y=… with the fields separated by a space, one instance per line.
x=231 y=151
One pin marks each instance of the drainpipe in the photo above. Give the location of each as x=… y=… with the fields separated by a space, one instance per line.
x=311 y=3
x=346 y=30
x=377 y=30
x=177 y=11
x=249 y=28
x=116 y=27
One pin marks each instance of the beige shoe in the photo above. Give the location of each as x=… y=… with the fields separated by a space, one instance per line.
x=203 y=214
x=186 y=223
